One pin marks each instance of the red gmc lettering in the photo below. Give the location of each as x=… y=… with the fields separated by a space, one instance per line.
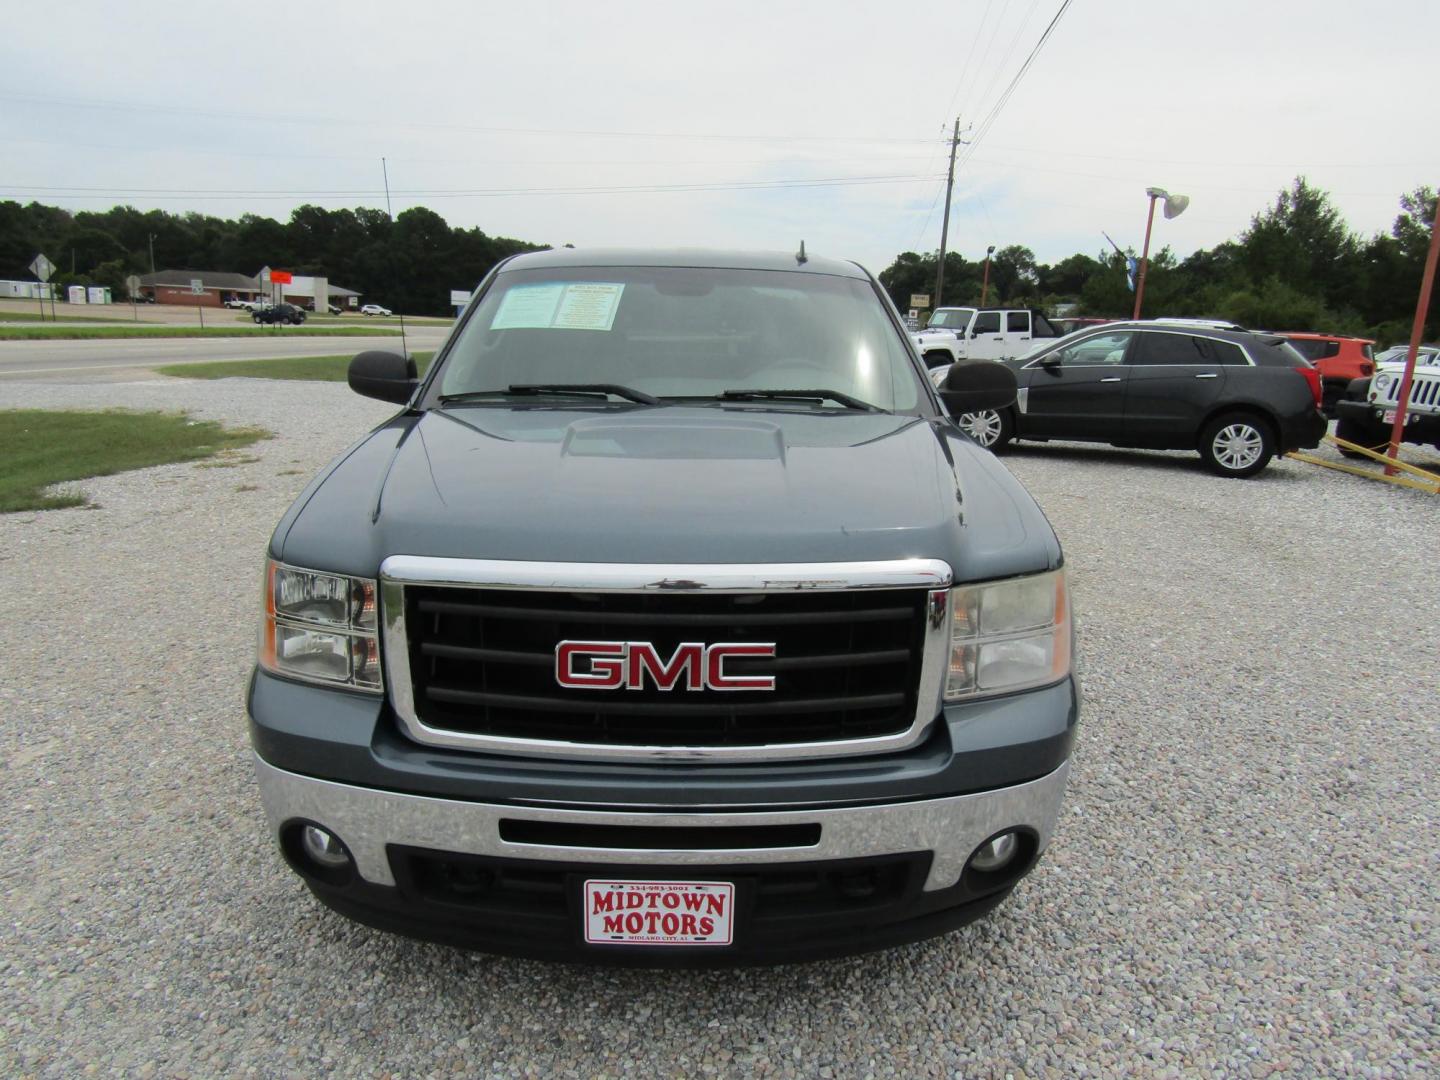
x=613 y=665
x=685 y=661
x=715 y=677
x=607 y=666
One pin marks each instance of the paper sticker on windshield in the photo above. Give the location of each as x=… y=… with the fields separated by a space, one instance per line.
x=527 y=307
x=588 y=305
x=578 y=305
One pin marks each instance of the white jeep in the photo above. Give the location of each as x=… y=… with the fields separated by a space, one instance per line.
x=965 y=333
x=1368 y=411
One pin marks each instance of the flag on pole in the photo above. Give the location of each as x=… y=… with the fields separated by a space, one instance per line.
x=1130 y=267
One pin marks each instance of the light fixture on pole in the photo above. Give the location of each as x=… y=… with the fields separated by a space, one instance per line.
x=1174 y=206
x=985 y=284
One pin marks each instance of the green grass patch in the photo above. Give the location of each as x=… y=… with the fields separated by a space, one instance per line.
x=376 y=320
x=309 y=368
x=43 y=448
x=7 y=316
x=51 y=332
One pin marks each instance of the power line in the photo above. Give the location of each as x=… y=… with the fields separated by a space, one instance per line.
x=463 y=193
x=1004 y=63
x=1004 y=98
x=371 y=124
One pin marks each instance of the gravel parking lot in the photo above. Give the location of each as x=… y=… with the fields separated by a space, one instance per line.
x=1244 y=879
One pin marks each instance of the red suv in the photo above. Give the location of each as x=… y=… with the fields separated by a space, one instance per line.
x=1338 y=359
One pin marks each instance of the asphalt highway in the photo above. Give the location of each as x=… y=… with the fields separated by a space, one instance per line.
x=43 y=359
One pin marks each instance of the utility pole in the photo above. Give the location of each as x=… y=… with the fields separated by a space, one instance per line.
x=152 y=253
x=945 y=222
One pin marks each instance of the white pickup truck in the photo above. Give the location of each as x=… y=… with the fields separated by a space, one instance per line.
x=966 y=333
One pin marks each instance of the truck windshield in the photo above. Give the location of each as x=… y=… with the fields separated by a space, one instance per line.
x=681 y=332
x=951 y=318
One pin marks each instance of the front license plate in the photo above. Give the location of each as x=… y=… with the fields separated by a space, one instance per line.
x=1389 y=417
x=659 y=912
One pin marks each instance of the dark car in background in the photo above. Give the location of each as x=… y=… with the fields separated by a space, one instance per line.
x=279 y=313
x=1236 y=398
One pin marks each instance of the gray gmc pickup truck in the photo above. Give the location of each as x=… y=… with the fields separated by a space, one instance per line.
x=671 y=620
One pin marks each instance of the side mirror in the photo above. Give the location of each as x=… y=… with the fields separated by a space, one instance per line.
x=977 y=385
x=383 y=375
x=1050 y=362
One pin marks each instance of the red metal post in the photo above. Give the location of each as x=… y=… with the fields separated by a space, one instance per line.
x=1144 y=259
x=1417 y=331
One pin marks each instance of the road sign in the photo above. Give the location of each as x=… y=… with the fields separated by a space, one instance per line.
x=919 y=300
x=197 y=286
x=282 y=277
x=459 y=297
x=132 y=286
x=42 y=267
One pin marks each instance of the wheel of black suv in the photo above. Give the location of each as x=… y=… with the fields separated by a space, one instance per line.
x=1237 y=444
x=1361 y=435
x=256 y=318
x=992 y=428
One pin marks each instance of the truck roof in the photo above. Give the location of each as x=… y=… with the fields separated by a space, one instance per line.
x=724 y=259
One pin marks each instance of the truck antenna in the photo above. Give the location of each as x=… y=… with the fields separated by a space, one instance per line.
x=385 y=173
x=800 y=255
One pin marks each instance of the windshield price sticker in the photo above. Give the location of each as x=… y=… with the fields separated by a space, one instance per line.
x=659 y=912
x=577 y=305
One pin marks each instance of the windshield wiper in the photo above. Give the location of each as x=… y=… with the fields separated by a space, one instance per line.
x=799 y=395
x=582 y=390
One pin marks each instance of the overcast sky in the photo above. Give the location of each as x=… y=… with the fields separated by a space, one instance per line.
x=509 y=116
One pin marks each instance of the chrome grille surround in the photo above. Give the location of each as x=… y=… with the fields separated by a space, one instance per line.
x=399 y=571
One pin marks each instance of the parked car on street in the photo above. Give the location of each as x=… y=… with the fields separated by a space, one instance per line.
x=279 y=313
x=1367 y=412
x=375 y=309
x=670 y=620
x=1338 y=359
x=1235 y=398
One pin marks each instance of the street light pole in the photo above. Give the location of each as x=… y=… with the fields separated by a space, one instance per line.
x=1144 y=259
x=152 y=253
x=1174 y=207
x=1417 y=331
x=985 y=283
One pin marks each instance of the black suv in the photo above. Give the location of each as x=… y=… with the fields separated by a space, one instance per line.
x=1235 y=397
x=279 y=313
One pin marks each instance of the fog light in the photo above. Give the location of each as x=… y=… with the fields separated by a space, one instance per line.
x=996 y=854
x=324 y=848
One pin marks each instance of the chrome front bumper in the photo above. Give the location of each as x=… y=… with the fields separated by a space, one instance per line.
x=369 y=820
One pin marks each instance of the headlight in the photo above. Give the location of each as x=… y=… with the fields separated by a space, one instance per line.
x=1382 y=381
x=1008 y=635
x=320 y=627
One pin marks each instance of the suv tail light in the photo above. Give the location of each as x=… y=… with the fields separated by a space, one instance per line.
x=1313 y=378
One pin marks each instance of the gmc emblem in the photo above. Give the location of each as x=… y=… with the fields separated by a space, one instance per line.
x=625 y=665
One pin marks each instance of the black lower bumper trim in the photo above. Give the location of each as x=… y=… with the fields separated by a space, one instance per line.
x=783 y=913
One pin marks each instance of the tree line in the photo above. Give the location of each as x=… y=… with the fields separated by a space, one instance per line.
x=1296 y=266
x=409 y=264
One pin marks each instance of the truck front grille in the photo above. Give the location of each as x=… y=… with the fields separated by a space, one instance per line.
x=847 y=664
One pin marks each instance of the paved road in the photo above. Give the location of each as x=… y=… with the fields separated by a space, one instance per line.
x=42 y=359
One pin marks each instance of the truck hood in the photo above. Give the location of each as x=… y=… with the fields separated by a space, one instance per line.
x=667 y=485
